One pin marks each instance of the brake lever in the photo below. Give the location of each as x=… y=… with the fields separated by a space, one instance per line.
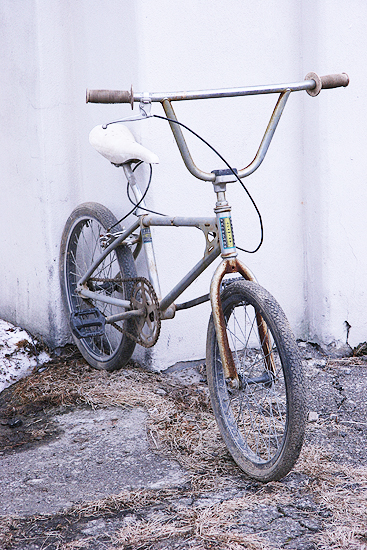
x=145 y=106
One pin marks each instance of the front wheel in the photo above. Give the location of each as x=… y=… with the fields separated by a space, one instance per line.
x=262 y=422
x=84 y=239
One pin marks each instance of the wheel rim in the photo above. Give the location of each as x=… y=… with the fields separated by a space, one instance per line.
x=83 y=248
x=255 y=414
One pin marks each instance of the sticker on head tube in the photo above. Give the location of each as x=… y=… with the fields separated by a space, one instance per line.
x=226 y=232
x=146 y=234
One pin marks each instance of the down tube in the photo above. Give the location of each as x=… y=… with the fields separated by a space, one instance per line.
x=189 y=278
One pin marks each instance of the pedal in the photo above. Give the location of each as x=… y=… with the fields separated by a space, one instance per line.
x=87 y=323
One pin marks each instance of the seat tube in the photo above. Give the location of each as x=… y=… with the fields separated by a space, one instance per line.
x=150 y=257
x=145 y=232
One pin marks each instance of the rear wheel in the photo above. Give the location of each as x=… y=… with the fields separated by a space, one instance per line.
x=262 y=422
x=83 y=241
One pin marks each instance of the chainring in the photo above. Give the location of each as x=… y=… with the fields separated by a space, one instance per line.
x=148 y=327
x=143 y=296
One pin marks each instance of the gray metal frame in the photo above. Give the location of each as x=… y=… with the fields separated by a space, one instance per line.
x=150 y=221
x=221 y=226
x=209 y=226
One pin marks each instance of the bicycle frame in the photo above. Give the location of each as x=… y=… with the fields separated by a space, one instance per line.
x=145 y=222
x=219 y=227
x=219 y=239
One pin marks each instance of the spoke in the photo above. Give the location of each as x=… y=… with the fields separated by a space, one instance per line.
x=84 y=248
x=257 y=410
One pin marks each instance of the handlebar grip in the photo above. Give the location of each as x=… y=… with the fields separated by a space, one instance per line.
x=328 y=81
x=110 y=96
x=334 y=80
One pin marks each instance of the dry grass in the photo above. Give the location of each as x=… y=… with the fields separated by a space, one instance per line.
x=211 y=527
x=182 y=425
x=343 y=490
x=6 y=525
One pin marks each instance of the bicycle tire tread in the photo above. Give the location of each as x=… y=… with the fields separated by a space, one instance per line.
x=278 y=323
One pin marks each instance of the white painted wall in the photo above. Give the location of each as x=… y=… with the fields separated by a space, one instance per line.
x=310 y=188
x=334 y=164
x=52 y=50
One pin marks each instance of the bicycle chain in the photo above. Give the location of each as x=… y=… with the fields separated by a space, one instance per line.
x=138 y=339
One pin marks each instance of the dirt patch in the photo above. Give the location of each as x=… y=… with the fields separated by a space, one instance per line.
x=27 y=407
x=320 y=504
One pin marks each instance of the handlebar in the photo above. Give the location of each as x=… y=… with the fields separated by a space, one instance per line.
x=312 y=84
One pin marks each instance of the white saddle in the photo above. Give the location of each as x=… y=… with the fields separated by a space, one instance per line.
x=118 y=145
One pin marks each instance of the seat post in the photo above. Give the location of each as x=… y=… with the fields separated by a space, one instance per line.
x=131 y=178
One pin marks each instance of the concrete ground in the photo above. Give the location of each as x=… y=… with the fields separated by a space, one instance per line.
x=133 y=460
x=96 y=454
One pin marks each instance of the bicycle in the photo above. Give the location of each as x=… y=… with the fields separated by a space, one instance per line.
x=254 y=369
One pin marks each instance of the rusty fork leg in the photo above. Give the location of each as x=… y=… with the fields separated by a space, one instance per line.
x=233 y=265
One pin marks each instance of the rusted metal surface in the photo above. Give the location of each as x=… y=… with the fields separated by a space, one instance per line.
x=233 y=265
x=229 y=368
x=261 y=325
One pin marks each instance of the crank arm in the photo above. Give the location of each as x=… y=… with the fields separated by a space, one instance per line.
x=125 y=315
